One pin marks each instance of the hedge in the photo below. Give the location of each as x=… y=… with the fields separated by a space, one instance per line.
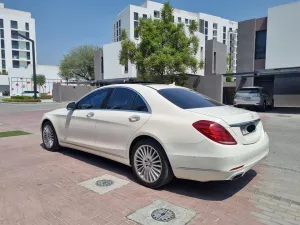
x=21 y=97
x=20 y=100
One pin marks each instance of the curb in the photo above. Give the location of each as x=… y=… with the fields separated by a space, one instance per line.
x=26 y=103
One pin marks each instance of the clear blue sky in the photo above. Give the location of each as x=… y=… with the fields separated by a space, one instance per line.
x=64 y=24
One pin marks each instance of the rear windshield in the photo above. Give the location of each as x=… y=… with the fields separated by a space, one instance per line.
x=187 y=99
x=249 y=90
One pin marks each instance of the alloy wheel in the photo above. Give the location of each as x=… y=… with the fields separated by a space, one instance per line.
x=48 y=136
x=147 y=163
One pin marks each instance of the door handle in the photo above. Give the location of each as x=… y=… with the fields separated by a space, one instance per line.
x=89 y=115
x=134 y=118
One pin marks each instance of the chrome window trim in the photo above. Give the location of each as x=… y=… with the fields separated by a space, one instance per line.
x=148 y=106
x=244 y=123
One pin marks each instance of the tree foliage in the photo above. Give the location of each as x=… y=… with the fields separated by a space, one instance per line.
x=78 y=64
x=165 y=52
x=40 y=79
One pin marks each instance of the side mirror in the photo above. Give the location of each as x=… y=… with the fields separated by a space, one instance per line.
x=71 y=106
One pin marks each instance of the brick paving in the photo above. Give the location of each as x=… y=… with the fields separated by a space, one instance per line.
x=41 y=187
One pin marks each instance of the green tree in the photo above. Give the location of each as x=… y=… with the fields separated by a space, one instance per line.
x=78 y=63
x=40 y=80
x=164 y=52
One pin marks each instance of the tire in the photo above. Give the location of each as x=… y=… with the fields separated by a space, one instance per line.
x=161 y=172
x=272 y=104
x=48 y=132
x=263 y=107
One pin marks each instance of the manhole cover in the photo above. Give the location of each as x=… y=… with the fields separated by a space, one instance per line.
x=104 y=183
x=163 y=215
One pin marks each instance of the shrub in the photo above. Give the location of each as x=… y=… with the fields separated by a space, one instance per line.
x=21 y=97
x=46 y=97
x=20 y=100
x=229 y=79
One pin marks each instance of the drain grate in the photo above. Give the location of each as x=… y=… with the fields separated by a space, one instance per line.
x=104 y=183
x=163 y=215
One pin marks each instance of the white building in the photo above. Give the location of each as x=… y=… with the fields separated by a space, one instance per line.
x=210 y=27
x=16 y=52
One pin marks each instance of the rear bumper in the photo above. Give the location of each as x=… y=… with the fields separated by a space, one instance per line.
x=203 y=167
x=246 y=103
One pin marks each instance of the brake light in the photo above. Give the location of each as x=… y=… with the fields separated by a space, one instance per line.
x=215 y=132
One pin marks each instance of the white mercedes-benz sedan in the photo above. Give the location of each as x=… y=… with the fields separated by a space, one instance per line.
x=161 y=131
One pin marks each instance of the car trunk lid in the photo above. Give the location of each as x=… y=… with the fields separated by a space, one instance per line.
x=238 y=121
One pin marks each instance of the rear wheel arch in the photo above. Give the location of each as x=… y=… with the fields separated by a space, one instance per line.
x=144 y=137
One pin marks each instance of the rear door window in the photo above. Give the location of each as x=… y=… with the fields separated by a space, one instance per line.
x=121 y=99
x=187 y=99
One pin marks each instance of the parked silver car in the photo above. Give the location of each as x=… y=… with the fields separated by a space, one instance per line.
x=257 y=97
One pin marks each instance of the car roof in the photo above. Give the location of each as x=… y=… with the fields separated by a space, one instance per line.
x=153 y=86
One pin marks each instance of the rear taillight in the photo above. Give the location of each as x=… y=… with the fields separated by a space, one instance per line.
x=215 y=132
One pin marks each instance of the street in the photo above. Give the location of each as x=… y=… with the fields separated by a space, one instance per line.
x=41 y=187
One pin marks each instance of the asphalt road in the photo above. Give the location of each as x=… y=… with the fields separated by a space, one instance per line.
x=19 y=108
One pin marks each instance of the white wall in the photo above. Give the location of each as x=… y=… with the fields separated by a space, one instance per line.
x=112 y=67
x=283 y=36
x=20 y=79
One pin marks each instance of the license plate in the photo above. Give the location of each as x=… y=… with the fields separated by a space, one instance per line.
x=246 y=98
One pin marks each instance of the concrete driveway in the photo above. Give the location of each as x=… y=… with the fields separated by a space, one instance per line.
x=41 y=187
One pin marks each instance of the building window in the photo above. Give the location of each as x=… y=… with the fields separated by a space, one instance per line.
x=15 y=54
x=27 y=26
x=16 y=64
x=215 y=33
x=186 y=21
x=206 y=24
x=224 y=29
x=136 y=16
x=15 y=45
x=1 y=23
x=14 y=24
x=27 y=34
x=14 y=34
x=230 y=29
x=206 y=37
x=224 y=42
x=136 y=34
x=215 y=26
x=190 y=21
x=145 y=16
x=28 y=55
x=156 y=14
x=201 y=53
x=102 y=65
x=260 y=44
x=201 y=26
x=2 y=44
x=27 y=45
x=224 y=35
x=120 y=30
x=126 y=67
x=2 y=33
x=179 y=19
x=215 y=63
x=3 y=54
x=3 y=64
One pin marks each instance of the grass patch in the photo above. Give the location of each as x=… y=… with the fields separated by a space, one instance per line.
x=20 y=100
x=13 y=133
